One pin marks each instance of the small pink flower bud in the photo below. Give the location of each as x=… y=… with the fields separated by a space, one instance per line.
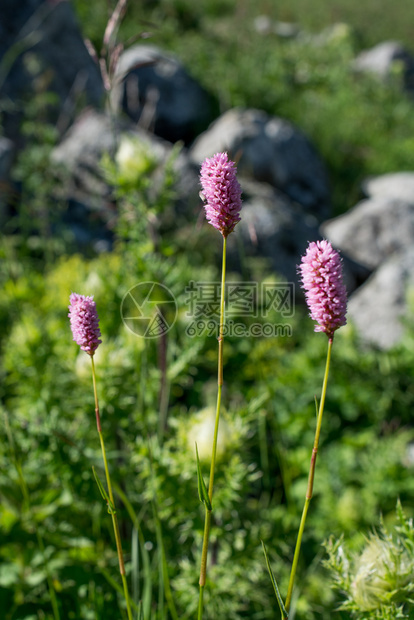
x=221 y=192
x=84 y=322
x=321 y=271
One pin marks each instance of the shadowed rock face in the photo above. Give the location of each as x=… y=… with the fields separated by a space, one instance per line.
x=156 y=91
x=41 y=50
x=14 y=15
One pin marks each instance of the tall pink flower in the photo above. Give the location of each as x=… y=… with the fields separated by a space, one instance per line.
x=221 y=192
x=325 y=292
x=84 y=322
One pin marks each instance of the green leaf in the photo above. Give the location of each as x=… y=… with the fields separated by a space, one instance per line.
x=111 y=507
x=283 y=611
x=140 y=612
x=202 y=490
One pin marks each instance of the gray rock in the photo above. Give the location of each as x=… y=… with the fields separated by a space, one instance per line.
x=379 y=234
x=81 y=151
x=373 y=230
x=271 y=150
x=377 y=309
x=279 y=230
x=41 y=49
x=393 y=185
x=155 y=91
x=272 y=227
x=91 y=136
x=95 y=133
x=381 y=60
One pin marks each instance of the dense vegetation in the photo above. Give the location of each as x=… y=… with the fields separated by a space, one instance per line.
x=55 y=533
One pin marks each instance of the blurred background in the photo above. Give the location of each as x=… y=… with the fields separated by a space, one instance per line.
x=106 y=113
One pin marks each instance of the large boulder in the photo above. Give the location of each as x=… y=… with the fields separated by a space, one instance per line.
x=378 y=308
x=269 y=149
x=156 y=91
x=373 y=230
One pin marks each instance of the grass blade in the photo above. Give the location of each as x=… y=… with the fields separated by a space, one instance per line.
x=283 y=611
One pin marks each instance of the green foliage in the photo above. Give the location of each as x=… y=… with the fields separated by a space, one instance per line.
x=377 y=582
x=266 y=434
x=373 y=20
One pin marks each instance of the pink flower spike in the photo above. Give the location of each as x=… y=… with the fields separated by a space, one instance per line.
x=84 y=322
x=221 y=192
x=325 y=292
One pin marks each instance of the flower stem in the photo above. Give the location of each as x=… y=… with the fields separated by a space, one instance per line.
x=112 y=509
x=309 y=490
x=207 y=523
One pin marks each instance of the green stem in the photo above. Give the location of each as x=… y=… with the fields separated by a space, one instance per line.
x=309 y=490
x=207 y=523
x=111 y=497
x=200 y=603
